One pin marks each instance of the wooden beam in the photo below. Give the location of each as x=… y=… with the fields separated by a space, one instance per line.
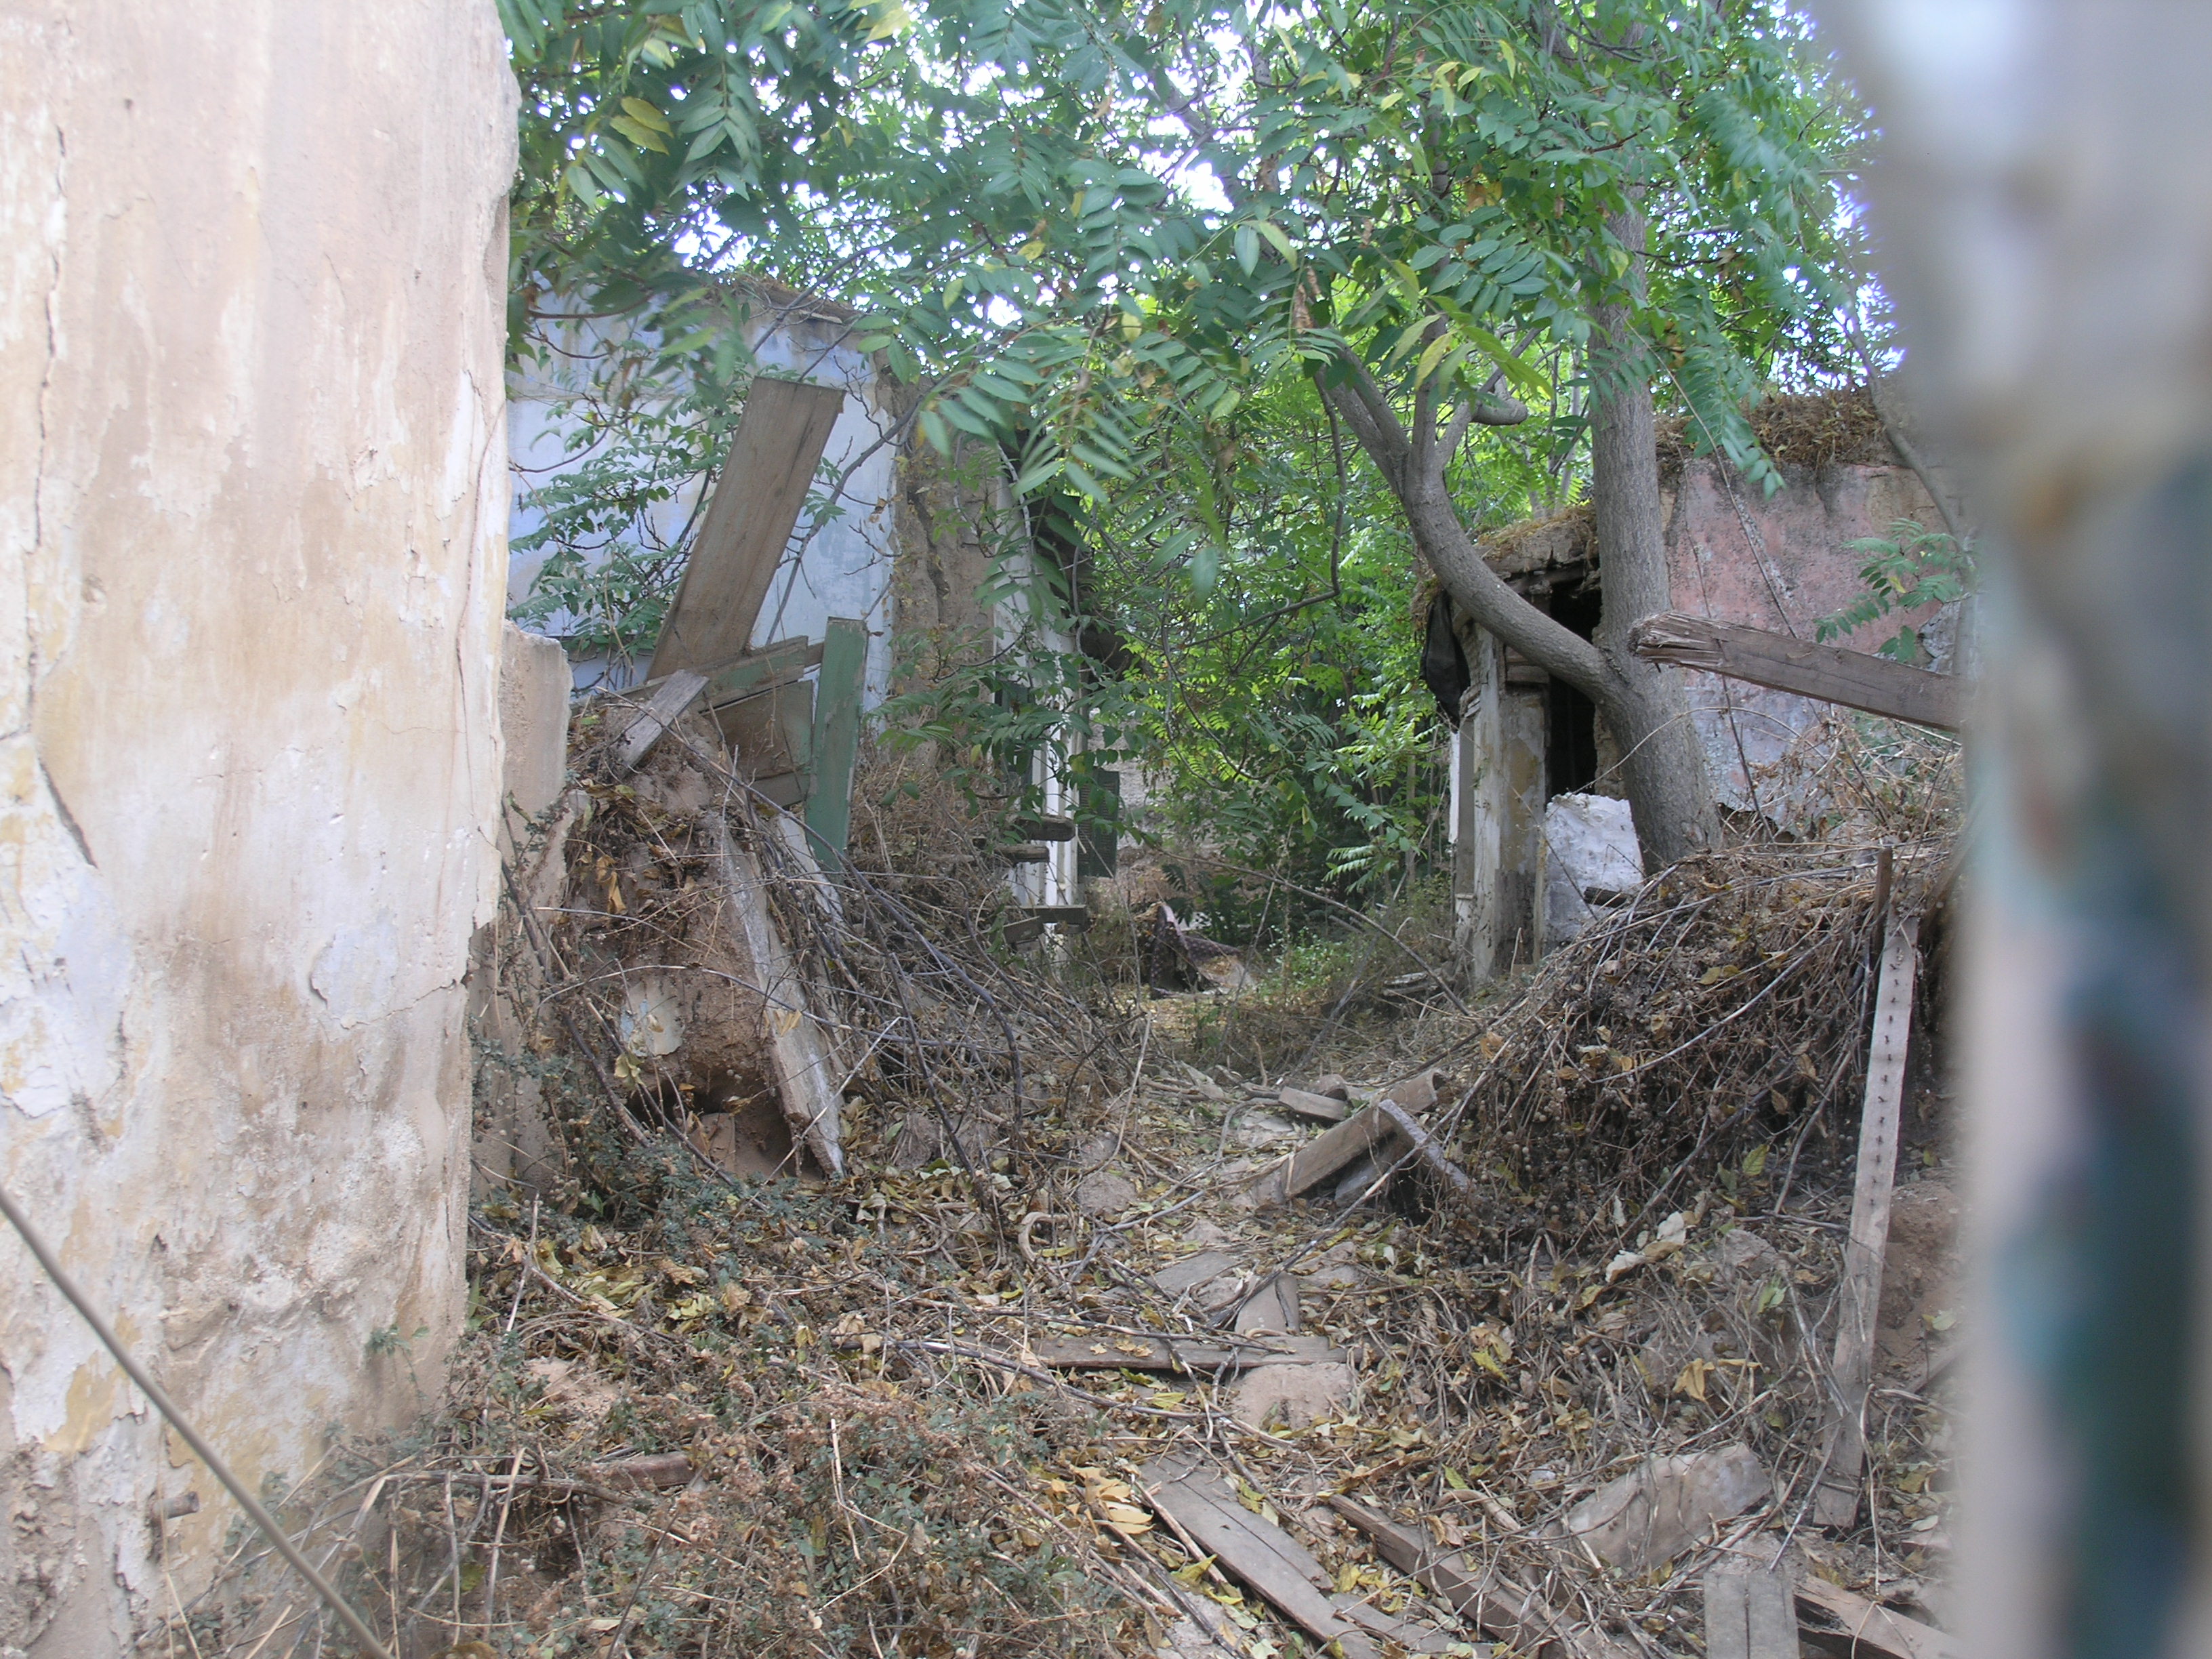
x=1198 y=1500
x=1836 y=1500
x=1828 y=673
x=764 y=483
x=761 y=671
x=799 y=1059
x=837 y=738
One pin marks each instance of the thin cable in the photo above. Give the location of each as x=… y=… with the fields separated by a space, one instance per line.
x=260 y=1517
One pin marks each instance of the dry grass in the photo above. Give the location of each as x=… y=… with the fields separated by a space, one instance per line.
x=839 y=1378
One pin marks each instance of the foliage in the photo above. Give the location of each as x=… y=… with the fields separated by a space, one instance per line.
x=1914 y=566
x=1120 y=245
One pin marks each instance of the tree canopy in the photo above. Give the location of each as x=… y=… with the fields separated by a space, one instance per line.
x=1112 y=240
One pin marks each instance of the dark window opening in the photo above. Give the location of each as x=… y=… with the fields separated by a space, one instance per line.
x=1570 y=718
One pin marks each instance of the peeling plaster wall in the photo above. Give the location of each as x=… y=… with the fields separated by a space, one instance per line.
x=253 y=519
x=1799 y=570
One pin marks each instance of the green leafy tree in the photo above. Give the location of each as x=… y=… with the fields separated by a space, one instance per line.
x=1072 y=227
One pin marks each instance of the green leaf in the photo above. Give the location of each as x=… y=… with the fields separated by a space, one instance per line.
x=1248 y=247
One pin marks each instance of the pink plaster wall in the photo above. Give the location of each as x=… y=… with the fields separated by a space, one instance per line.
x=1799 y=570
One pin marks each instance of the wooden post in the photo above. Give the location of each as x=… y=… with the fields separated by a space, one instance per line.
x=1749 y=1614
x=1836 y=1501
x=837 y=738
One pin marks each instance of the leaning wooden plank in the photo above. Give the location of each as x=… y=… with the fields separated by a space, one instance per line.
x=1836 y=1500
x=1509 y=1615
x=1200 y=1502
x=1363 y=1131
x=667 y=706
x=1833 y=1620
x=836 y=737
x=798 y=1061
x=764 y=483
x=1853 y=679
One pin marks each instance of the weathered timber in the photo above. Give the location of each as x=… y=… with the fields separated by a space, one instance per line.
x=1830 y=1620
x=1828 y=673
x=1045 y=826
x=756 y=672
x=1836 y=1621
x=1748 y=1613
x=1836 y=1500
x=799 y=1059
x=1508 y=1614
x=763 y=484
x=1322 y=1109
x=665 y=705
x=1372 y=1131
x=1201 y=1503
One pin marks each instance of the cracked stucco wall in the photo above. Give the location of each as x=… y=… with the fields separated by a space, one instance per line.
x=252 y=510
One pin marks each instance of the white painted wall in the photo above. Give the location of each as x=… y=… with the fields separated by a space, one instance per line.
x=840 y=563
x=252 y=517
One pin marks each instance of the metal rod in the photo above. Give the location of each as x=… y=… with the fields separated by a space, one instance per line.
x=205 y=1453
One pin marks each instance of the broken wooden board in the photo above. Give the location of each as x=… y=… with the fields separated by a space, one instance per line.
x=799 y=1059
x=1826 y=673
x=1510 y=1614
x=1834 y=1620
x=665 y=704
x=1364 y=1133
x=1434 y=1156
x=1198 y=1501
x=764 y=483
x=771 y=735
x=1749 y=1613
x=772 y=665
x=1322 y=1109
x=1836 y=1500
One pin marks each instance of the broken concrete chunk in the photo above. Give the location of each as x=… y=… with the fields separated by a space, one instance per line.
x=1273 y=1307
x=1194 y=1270
x=1331 y=1085
x=1590 y=855
x=1105 y=1193
x=1291 y=1395
x=1655 y=1512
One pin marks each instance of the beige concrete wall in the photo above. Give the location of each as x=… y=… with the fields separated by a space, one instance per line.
x=251 y=542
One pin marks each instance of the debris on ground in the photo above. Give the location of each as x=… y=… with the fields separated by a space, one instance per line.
x=1512 y=1325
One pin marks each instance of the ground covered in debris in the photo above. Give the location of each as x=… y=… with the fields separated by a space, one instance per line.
x=1498 y=1325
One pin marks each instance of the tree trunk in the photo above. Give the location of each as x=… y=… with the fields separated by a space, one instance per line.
x=1662 y=763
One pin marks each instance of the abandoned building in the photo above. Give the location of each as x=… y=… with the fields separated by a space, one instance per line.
x=836 y=550
x=1537 y=826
